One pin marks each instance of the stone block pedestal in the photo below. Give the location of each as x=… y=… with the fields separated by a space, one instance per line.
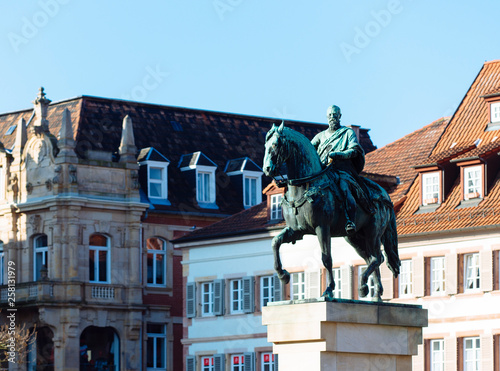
x=314 y=335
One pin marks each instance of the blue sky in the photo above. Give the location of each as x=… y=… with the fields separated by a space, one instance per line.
x=392 y=66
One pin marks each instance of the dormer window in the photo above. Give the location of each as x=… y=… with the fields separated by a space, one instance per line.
x=200 y=173
x=495 y=112
x=430 y=188
x=153 y=175
x=473 y=182
x=246 y=177
x=276 y=210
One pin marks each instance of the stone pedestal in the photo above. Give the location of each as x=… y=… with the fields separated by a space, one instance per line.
x=314 y=335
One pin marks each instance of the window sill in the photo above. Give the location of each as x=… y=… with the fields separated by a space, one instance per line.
x=473 y=202
x=159 y=201
x=424 y=209
x=208 y=205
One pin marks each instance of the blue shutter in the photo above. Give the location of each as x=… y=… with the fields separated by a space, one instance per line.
x=248 y=294
x=219 y=362
x=219 y=297
x=249 y=361
x=277 y=288
x=191 y=300
x=275 y=363
x=190 y=363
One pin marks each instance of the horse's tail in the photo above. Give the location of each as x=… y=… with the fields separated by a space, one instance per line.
x=390 y=242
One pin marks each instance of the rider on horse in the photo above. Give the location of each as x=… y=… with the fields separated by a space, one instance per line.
x=340 y=144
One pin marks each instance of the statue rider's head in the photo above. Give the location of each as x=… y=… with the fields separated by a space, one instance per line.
x=333 y=114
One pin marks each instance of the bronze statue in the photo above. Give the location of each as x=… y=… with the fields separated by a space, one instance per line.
x=315 y=200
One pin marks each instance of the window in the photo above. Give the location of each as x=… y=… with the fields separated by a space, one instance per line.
x=473 y=183
x=250 y=191
x=472 y=273
x=157 y=347
x=276 y=211
x=236 y=287
x=405 y=279
x=2 y=265
x=156 y=261
x=472 y=354
x=298 y=286
x=437 y=355
x=495 y=112
x=238 y=362
x=267 y=362
x=370 y=283
x=205 y=190
x=207 y=299
x=266 y=290
x=207 y=363
x=40 y=256
x=99 y=259
x=437 y=275
x=157 y=180
x=337 y=292
x=430 y=188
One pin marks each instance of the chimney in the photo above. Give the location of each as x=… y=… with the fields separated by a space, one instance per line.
x=41 y=104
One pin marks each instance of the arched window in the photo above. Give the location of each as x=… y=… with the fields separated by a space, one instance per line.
x=40 y=261
x=157 y=261
x=99 y=349
x=99 y=259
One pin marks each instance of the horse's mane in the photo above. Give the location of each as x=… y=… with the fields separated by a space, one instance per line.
x=303 y=142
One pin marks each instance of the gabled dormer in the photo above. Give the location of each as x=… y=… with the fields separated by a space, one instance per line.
x=492 y=99
x=246 y=177
x=274 y=196
x=153 y=175
x=200 y=173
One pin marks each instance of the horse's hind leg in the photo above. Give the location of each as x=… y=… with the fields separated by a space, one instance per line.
x=325 y=241
x=285 y=236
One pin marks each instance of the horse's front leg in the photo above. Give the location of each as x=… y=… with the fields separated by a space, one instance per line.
x=325 y=242
x=379 y=290
x=285 y=236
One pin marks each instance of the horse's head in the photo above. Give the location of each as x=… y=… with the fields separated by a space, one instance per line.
x=275 y=154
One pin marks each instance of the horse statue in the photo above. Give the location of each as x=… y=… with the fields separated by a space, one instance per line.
x=313 y=205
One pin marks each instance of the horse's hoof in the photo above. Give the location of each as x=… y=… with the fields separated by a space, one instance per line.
x=328 y=294
x=377 y=299
x=363 y=290
x=284 y=277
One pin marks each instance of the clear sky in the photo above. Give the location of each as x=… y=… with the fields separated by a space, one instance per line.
x=393 y=66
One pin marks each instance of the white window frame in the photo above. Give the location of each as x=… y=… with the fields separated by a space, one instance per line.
x=472 y=354
x=276 y=210
x=406 y=279
x=298 y=286
x=428 y=195
x=266 y=290
x=210 y=366
x=2 y=265
x=476 y=189
x=495 y=112
x=207 y=299
x=240 y=366
x=438 y=276
x=163 y=166
x=256 y=192
x=236 y=296
x=96 y=250
x=337 y=277
x=210 y=197
x=44 y=251
x=157 y=336
x=155 y=254
x=472 y=272
x=436 y=355
x=370 y=282
x=269 y=362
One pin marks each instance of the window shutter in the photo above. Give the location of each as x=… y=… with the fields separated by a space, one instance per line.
x=487 y=351
x=190 y=300
x=313 y=284
x=346 y=277
x=219 y=362
x=249 y=361
x=190 y=363
x=278 y=292
x=248 y=294
x=451 y=274
x=219 y=297
x=418 y=276
x=450 y=353
x=486 y=265
x=387 y=282
x=276 y=368
x=418 y=359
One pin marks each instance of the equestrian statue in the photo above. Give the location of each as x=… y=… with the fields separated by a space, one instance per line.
x=326 y=196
